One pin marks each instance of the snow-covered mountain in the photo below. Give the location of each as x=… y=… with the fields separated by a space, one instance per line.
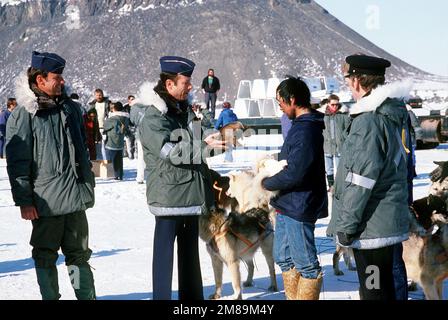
x=116 y=44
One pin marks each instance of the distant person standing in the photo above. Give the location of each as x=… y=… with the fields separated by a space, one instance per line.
x=226 y=117
x=93 y=133
x=210 y=87
x=4 y=115
x=115 y=128
x=102 y=106
x=335 y=124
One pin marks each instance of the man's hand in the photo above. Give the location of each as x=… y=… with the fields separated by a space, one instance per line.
x=29 y=213
x=441 y=172
x=345 y=239
x=214 y=141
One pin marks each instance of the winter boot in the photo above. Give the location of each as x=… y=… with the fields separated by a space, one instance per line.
x=290 y=282
x=81 y=278
x=47 y=278
x=309 y=289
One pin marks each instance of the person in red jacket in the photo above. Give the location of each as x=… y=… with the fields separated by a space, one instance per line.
x=92 y=132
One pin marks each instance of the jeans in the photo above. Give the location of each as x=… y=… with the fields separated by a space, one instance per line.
x=210 y=102
x=294 y=246
x=331 y=164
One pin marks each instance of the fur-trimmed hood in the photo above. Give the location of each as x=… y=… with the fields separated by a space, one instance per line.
x=119 y=114
x=399 y=90
x=147 y=96
x=26 y=98
x=24 y=95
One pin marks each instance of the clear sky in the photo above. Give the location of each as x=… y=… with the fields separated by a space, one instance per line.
x=414 y=31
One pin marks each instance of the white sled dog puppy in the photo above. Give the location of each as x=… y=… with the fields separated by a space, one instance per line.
x=246 y=186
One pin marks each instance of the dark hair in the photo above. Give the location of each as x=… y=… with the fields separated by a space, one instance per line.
x=117 y=106
x=74 y=96
x=32 y=74
x=333 y=97
x=295 y=88
x=10 y=102
x=131 y=96
x=99 y=91
x=211 y=70
x=168 y=76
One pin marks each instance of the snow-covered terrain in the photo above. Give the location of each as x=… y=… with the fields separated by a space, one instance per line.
x=121 y=231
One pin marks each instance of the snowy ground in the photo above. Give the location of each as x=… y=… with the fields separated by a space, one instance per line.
x=121 y=230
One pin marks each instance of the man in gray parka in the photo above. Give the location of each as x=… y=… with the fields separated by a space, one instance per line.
x=49 y=171
x=336 y=121
x=370 y=209
x=179 y=186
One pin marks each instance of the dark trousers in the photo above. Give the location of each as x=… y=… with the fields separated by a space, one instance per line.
x=2 y=146
x=70 y=232
x=400 y=275
x=379 y=260
x=210 y=102
x=116 y=156
x=185 y=229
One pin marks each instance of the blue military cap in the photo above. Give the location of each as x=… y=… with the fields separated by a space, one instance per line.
x=49 y=62
x=177 y=65
x=362 y=64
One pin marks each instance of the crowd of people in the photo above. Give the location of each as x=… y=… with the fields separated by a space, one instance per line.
x=362 y=157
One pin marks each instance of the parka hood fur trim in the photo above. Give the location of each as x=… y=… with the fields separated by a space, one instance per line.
x=398 y=89
x=119 y=114
x=147 y=96
x=24 y=95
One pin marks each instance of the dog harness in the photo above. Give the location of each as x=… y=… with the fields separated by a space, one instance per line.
x=249 y=244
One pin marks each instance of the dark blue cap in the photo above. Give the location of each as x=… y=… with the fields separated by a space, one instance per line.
x=177 y=65
x=362 y=64
x=46 y=61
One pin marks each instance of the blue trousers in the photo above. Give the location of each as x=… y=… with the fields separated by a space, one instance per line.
x=210 y=102
x=185 y=229
x=294 y=246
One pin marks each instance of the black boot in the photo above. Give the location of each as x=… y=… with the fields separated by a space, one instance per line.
x=81 y=278
x=47 y=278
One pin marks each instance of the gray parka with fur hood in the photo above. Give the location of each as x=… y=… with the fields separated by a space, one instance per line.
x=178 y=181
x=370 y=199
x=47 y=159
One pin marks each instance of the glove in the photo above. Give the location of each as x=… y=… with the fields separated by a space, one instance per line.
x=344 y=239
x=441 y=172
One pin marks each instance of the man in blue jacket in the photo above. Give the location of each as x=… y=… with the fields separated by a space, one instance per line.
x=303 y=197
